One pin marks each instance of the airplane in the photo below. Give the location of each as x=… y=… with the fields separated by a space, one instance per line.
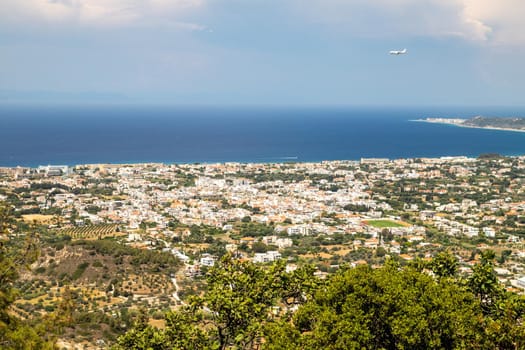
x=396 y=52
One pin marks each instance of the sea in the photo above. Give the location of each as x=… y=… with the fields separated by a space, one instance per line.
x=33 y=135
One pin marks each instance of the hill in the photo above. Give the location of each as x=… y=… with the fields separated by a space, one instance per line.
x=499 y=123
x=107 y=282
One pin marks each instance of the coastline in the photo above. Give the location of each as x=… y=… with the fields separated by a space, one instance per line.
x=232 y=162
x=466 y=126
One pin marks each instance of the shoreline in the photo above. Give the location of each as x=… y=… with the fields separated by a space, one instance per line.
x=466 y=126
x=168 y=163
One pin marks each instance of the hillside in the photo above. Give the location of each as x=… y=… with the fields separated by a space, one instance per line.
x=107 y=282
x=500 y=123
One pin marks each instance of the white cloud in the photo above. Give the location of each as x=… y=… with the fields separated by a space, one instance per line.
x=99 y=12
x=489 y=21
x=504 y=17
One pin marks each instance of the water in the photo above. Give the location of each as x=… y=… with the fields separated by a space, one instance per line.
x=40 y=135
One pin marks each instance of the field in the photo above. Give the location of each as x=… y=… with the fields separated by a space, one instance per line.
x=384 y=223
x=91 y=232
x=38 y=218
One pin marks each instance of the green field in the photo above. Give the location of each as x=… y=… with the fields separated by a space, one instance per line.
x=384 y=223
x=91 y=231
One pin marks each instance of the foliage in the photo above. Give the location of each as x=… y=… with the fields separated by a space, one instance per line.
x=388 y=308
x=383 y=223
x=484 y=283
x=239 y=296
x=444 y=264
x=202 y=233
x=90 y=231
x=79 y=271
x=356 y=208
x=15 y=333
x=157 y=259
x=355 y=308
x=254 y=229
x=234 y=312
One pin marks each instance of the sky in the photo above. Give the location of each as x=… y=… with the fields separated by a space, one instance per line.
x=263 y=52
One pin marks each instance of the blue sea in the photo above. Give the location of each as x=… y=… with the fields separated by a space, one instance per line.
x=41 y=135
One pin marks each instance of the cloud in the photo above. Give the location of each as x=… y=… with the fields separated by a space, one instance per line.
x=498 y=22
x=504 y=17
x=107 y=13
x=487 y=21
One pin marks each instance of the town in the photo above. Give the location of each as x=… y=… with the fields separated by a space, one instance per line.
x=325 y=214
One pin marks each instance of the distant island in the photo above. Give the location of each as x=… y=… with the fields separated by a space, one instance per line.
x=494 y=123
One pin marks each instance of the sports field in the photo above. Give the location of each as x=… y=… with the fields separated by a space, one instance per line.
x=384 y=223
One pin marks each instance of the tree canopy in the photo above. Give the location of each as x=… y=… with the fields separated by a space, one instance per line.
x=248 y=306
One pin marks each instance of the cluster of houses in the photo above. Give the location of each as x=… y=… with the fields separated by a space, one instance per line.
x=149 y=198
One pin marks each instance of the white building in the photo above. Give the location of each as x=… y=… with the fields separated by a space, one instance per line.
x=266 y=257
x=302 y=230
x=489 y=232
x=53 y=170
x=207 y=260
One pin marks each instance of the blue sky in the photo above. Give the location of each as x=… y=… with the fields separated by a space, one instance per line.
x=277 y=52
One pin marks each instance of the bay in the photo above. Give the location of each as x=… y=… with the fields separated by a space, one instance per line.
x=73 y=134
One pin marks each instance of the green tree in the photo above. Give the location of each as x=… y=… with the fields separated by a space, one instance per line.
x=259 y=247
x=380 y=252
x=505 y=329
x=143 y=336
x=484 y=282
x=444 y=264
x=16 y=253
x=391 y=307
x=504 y=312
x=239 y=297
x=388 y=308
x=236 y=310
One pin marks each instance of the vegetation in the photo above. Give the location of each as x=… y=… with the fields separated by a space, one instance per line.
x=248 y=228
x=505 y=123
x=91 y=231
x=14 y=332
x=156 y=260
x=104 y=284
x=74 y=289
x=246 y=306
x=383 y=223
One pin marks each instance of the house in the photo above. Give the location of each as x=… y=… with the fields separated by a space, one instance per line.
x=302 y=230
x=371 y=243
x=232 y=247
x=192 y=271
x=358 y=262
x=425 y=215
x=207 y=260
x=395 y=247
x=182 y=257
x=269 y=256
x=283 y=243
x=489 y=232
x=134 y=237
x=521 y=282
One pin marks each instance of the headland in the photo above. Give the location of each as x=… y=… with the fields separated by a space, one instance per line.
x=480 y=122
